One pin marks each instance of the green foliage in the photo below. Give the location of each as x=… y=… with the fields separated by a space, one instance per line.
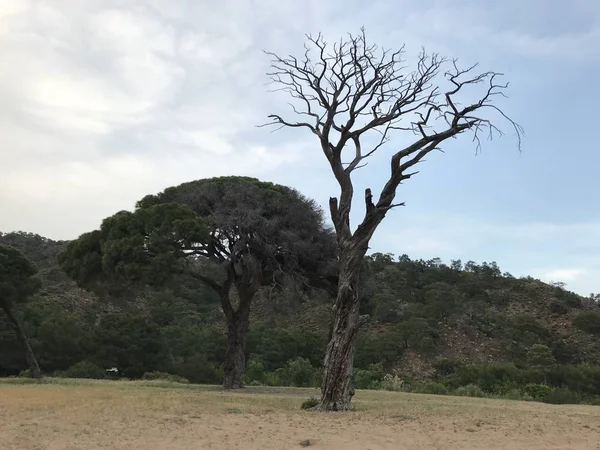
x=562 y=396
x=297 y=372
x=540 y=355
x=130 y=343
x=198 y=369
x=156 y=375
x=255 y=373
x=310 y=403
x=588 y=322
x=176 y=327
x=492 y=377
x=373 y=348
x=276 y=346
x=369 y=378
x=558 y=307
x=85 y=369
x=537 y=391
x=430 y=387
x=470 y=390
x=16 y=277
x=393 y=382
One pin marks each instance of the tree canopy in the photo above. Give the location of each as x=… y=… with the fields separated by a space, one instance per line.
x=234 y=234
x=17 y=282
x=208 y=229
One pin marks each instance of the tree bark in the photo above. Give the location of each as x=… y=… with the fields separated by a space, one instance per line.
x=29 y=355
x=238 y=325
x=337 y=388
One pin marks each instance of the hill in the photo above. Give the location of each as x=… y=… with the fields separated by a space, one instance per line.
x=426 y=317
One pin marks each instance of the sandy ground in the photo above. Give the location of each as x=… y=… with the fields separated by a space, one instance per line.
x=118 y=415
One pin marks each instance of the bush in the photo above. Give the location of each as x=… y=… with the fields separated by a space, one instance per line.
x=164 y=376
x=298 y=372
x=445 y=367
x=310 y=403
x=85 y=369
x=255 y=372
x=537 y=391
x=558 y=307
x=588 y=322
x=197 y=369
x=369 y=378
x=515 y=394
x=25 y=374
x=430 y=387
x=392 y=382
x=595 y=401
x=562 y=396
x=540 y=355
x=491 y=377
x=470 y=390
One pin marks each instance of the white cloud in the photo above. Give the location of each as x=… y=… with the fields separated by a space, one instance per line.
x=106 y=101
x=567 y=252
x=564 y=275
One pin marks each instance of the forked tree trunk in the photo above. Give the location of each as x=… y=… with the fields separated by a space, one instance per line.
x=337 y=388
x=29 y=355
x=237 y=339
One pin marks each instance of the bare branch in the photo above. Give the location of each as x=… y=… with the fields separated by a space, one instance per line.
x=352 y=88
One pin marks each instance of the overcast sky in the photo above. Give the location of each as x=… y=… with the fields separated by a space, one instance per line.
x=102 y=102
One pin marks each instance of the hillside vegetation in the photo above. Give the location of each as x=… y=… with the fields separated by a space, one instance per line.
x=433 y=327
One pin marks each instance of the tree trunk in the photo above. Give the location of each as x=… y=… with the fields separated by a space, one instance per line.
x=337 y=388
x=237 y=338
x=29 y=356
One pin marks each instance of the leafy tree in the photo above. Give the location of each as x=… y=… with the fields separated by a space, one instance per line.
x=588 y=322
x=234 y=234
x=352 y=96
x=17 y=283
x=540 y=355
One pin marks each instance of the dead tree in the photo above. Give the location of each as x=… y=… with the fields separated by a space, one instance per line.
x=353 y=96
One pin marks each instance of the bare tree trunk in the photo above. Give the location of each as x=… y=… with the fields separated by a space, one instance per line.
x=238 y=325
x=29 y=356
x=337 y=388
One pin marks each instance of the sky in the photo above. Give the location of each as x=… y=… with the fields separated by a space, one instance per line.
x=105 y=101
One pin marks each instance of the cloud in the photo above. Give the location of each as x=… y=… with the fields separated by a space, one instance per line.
x=568 y=252
x=564 y=275
x=106 y=101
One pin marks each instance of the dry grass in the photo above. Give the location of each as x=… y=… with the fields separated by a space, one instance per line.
x=74 y=414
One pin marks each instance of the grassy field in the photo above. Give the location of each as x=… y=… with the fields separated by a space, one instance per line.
x=77 y=414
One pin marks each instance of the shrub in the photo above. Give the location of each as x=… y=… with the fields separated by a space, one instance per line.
x=197 y=369
x=164 y=376
x=430 y=387
x=310 y=403
x=85 y=369
x=540 y=355
x=470 y=390
x=446 y=367
x=492 y=377
x=537 y=391
x=558 y=307
x=562 y=396
x=595 y=401
x=298 y=372
x=25 y=374
x=588 y=322
x=255 y=372
x=514 y=394
x=392 y=382
x=369 y=378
